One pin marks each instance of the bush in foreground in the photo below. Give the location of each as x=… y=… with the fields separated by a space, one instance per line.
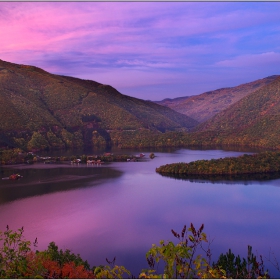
x=181 y=260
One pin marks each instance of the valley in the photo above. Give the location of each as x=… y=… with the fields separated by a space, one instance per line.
x=42 y=111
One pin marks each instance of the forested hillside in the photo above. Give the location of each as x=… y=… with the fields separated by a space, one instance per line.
x=204 y=106
x=253 y=121
x=39 y=110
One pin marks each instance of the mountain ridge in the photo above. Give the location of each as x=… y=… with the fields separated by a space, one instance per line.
x=203 y=106
x=41 y=110
x=254 y=120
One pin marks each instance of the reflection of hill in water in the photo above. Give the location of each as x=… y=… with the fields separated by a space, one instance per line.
x=42 y=181
x=225 y=179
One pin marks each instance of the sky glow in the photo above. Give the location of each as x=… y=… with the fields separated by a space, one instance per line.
x=149 y=50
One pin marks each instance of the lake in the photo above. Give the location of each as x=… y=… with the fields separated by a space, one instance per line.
x=120 y=209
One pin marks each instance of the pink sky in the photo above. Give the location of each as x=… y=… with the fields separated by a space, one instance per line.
x=150 y=50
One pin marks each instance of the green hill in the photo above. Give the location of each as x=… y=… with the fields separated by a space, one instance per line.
x=204 y=106
x=39 y=110
x=254 y=120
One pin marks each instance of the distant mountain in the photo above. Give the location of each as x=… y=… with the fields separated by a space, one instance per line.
x=204 y=106
x=39 y=110
x=254 y=120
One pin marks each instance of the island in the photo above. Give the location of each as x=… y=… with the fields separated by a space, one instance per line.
x=262 y=163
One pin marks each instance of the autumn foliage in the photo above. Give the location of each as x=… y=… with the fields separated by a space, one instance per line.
x=188 y=258
x=262 y=163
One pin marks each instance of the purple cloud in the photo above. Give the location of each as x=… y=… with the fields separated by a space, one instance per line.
x=252 y=60
x=150 y=50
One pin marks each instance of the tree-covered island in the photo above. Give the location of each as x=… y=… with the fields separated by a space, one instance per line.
x=265 y=162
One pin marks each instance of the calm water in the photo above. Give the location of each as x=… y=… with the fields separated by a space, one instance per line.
x=121 y=209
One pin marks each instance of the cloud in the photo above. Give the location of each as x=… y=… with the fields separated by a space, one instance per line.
x=267 y=59
x=140 y=64
x=142 y=41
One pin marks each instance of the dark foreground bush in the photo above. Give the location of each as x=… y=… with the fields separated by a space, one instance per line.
x=188 y=258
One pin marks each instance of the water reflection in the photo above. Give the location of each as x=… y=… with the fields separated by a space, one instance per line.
x=40 y=179
x=244 y=179
x=121 y=209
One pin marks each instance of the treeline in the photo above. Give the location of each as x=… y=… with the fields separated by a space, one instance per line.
x=186 y=258
x=138 y=138
x=16 y=156
x=266 y=162
x=148 y=139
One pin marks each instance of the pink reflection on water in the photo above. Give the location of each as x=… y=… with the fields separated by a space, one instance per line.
x=124 y=216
